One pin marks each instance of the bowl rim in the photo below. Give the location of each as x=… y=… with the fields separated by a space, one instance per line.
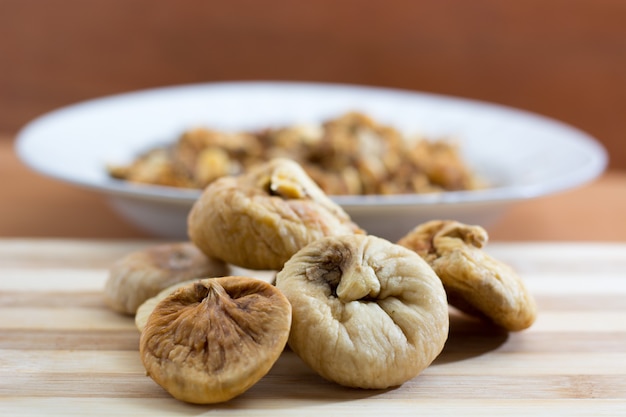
x=595 y=163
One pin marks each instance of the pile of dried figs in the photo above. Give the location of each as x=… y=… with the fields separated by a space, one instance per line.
x=341 y=298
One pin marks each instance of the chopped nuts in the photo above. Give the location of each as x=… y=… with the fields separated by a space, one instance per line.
x=351 y=154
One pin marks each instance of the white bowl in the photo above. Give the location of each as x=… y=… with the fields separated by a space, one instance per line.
x=522 y=155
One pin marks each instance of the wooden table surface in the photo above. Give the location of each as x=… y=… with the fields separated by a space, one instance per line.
x=36 y=206
x=64 y=353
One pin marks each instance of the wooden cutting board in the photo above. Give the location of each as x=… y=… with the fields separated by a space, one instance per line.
x=62 y=352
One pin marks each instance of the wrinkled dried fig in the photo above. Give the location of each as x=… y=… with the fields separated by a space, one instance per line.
x=259 y=220
x=211 y=340
x=475 y=282
x=366 y=313
x=142 y=274
x=147 y=307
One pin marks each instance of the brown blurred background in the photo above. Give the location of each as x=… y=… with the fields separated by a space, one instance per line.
x=562 y=58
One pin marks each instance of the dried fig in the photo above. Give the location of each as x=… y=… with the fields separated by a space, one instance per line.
x=367 y=313
x=142 y=274
x=147 y=307
x=211 y=340
x=259 y=220
x=475 y=282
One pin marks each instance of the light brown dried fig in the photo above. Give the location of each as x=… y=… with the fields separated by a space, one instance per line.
x=475 y=282
x=147 y=307
x=211 y=340
x=259 y=220
x=142 y=274
x=366 y=313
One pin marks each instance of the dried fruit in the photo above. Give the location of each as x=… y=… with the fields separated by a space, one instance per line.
x=211 y=340
x=259 y=220
x=142 y=274
x=367 y=313
x=147 y=307
x=475 y=282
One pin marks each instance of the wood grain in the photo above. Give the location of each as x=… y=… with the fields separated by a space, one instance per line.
x=62 y=352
